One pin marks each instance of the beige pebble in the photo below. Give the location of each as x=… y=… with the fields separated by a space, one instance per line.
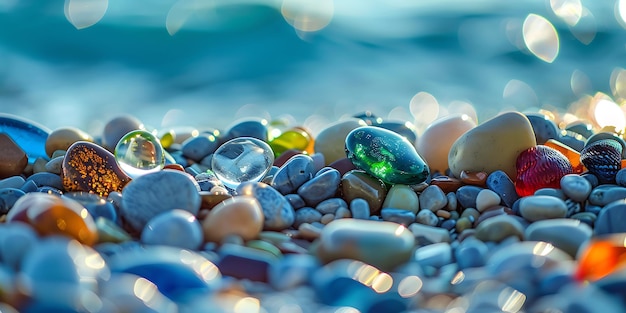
x=327 y=218
x=486 y=198
x=331 y=141
x=435 y=142
x=308 y=231
x=402 y=197
x=343 y=213
x=240 y=215
x=443 y=213
x=63 y=138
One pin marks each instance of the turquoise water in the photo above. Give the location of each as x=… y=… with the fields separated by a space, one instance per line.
x=242 y=58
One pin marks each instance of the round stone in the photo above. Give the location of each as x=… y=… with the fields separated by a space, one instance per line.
x=402 y=197
x=116 y=128
x=241 y=160
x=433 y=198
x=321 y=187
x=254 y=128
x=155 y=193
x=196 y=148
x=278 y=212
x=331 y=141
x=466 y=196
x=399 y=216
x=139 y=152
x=536 y=208
x=175 y=228
x=55 y=165
x=543 y=127
x=499 y=228
x=435 y=142
x=502 y=184
x=435 y=255
x=384 y=245
x=427 y=217
x=240 y=215
x=606 y=194
x=357 y=184
x=307 y=215
x=486 y=199
x=296 y=171
x=575 y=187
x=330 y=206
x=360 y=209
x=566 y=234
x=63 y=138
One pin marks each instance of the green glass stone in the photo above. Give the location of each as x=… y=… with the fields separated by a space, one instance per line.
x=385 y=155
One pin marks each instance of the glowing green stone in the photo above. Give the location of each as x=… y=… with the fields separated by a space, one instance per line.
x=385 y=155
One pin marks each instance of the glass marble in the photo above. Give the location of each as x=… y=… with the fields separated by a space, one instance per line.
x=295 y=138
x=139 y=152
x=30 y=136
x=241 y=160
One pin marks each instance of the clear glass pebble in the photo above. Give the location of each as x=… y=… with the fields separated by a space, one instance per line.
x=242 y=160
x=139 y=152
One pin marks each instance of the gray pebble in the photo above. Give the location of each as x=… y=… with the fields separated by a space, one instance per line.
x=295 y=172
x=586 y=217
x=431 y=233
x=196 y=148
x=575 y=187
x=499 y=228
x=611 y=218
x=47 y=179
x=278 y=212
x=321 y=187
x=295 y=200
x=360 y=209
x=535 y=208
x=175 y=228
x=436 y=255
x=606 y=194
x=306 y=215
x=399 y=216
x=452 y=202
x=432 y=198
x=54 y=165
x=565 y=234
x=471 y=253
x=573 y=207
x=466 y=195
x=331 y=205
x=552 y=192
x=543 y=127
x=427 y=217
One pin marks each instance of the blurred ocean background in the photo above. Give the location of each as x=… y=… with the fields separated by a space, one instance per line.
x=207 y=63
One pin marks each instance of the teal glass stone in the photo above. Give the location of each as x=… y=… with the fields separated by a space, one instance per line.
x=30 y=136
x=386 y=155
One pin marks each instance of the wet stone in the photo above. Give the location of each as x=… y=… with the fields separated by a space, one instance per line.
x=47 y=179
x=499 y=228
x=386 y=155
x=8 y=197
x=471 y=253
x=321 y=187
x=360 y=209
x=466 y=196
x=330 y=206
x=175 y=228
x=307 y=215
x=535 y=208
x=427 y=217
x=431 y=233
x=402 y=197
x=611 y=218
x=358 y=184
x=474 y=178
x=566 y=234
x=500 y=182
x=295 y=200
x=575 y=187
x=606 y=194
x=435 y=255
x=399 y=216
x=543 y=127
x=54 y=165
x=343 y=165
x=331 y=141
x=196 y=148
x=116 y=128
x=13 y=159
x=149 y=195
x=295 y=172
x=278 y=212
x=552 y=192
x=433 y=199
x=243 y=159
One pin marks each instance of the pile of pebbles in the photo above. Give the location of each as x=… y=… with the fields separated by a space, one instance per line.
x=376 y=221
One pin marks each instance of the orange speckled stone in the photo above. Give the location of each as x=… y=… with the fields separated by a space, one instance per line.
x=89 y=167
x=572 y=155
x=13 y=159
x=54 y=215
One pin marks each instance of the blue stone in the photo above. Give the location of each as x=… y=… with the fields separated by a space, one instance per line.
x=295 y=200
x=30 y=136
x=175 y=228
x=360 y=209
x=95 y=204
x=580 y=127
x=278 y=212
x=543 y=127
x=50 y=190
x=248 y=128
x=29 y=186
x=399 y=216
x=47 y=179
x=500 y=183
x=471 y=253
x=572 y=140
x=12 y=182
x=8 y=196
x=466 y=195
x=16 y=240
x=320 y=187
x=245 y=263
x=611 y=218
x=196 y=148
x=295 y=172
x=330 y=206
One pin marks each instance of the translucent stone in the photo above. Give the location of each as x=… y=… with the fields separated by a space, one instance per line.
x=601 y=257
x=139 y=152
x=241 y=160
x=295 y=138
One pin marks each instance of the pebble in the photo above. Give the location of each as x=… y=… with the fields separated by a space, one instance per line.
x=360 y=209
x=508 y=133
x=566 y=234
x=255 y=128
x=552 y=192
x=384 y=245
x=149 y=195
x=543 y=127
x=462 y=224
x=575 y=187
x=452 y=201
x=433 y=198
x=606 y=194
x=471 y=253
x=466 y=196
x=502 y=184
x=307 y=215
x=620 y=177
x=116 y=128
x=331 y=205
x=46 y=179
x=357 y=184
x=435 y=255
x=54 y=165
x=12 y=182
x=447 y=184
x=278 y=212
x=16 y=239
x=435 y=142
x=296 y=171
x=331 y=141
x=427 y=217
x=8 y=197
x=177 y=228
x=486 y=199
x=197 y=148
x=321 y=187
x=431 y=233
x=239 y=215
x=402 y=197
x=611 y=218
x=399 y=216
x=13 y=159
x=536 y=208
x=292 y=139
x=62 y=138
x=499 y=228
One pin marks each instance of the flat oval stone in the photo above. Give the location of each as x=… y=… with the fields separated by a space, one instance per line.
x=55 y=165
x=307 y=215
x=606 y=194
x=566 y=234
x=176 y=228
x=330 y=206
x=13 y=159
x=28 y=135
x=471 y=253
x=536 y=208
x=611 y=218
x=435 y=255
x=509 y=134
x=12 y=182
x=402 y=197
x=386 y=155
x=499 y=228
x=278 y=212
x=435 y=142
x=399 y=216
x=89 y=167
x=295 y=172
x=255 y=128
x=474 y=178
x=46 y=179
x=331 y=141
x=358 y=184
x=196 y=148
x=360 y=209
x=485 y=199
x=116 y=128
x=239 y=215
x=62 y=138
x=321 y=187
x=466 y=195
x=384 y=245
x=575 y=187
x=433 y=198
x=151 y=194
x=502 y=184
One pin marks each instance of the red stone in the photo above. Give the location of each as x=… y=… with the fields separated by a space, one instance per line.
x=540 y=167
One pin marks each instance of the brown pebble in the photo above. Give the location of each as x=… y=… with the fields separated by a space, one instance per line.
x=469 y=232
x=285 y=156
x=241 y=216
x=308 y=231
x=474 y=178
x=462 y=224
x=358 y=184
x=470 y=213
x=209 y=199
x=63 y=138
x=13 y=159
x=447 y=184
x=443 y=213
x=177 y=167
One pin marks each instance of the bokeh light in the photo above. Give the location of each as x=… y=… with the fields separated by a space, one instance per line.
x=308 y=15
x=85 y=13
x=541 y=38
x=569 y=11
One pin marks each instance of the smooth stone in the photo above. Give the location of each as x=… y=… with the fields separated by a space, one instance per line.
x=466 y=196
x=63 y=138
x=509 y=134
x=581 y=127
x=296 y=171
x=606 y=194
x=502 y=184
x=321 y=187
x=30 y=186
x=331 y=141
x=446 y=183
x=89 y=167
x=55 y=165
x=278 y=212
x=330 y=206
x=474 y=178
x=12 y=182
x=435 y=255
x=486 y=198
x=292 y=270
x=592 y=179
x=575 y=187
x=47 y=179
x=116 y=128
x=210 y=199
x=536 y=208
x=343 y=165
x=16 y=239
x=462 y=224
x=491 y=212
x=37 y=167
x=452 y=201
x=386 y=155
x=471 y=253
x=435 y=142
x=255 y=128
x=239 y=215
x=427 y=217
x=611 y=218
x=384 y=245
x=431 y=233
x=360 y=209
x=585 y=217
x=402 y=197
x=404 y=129
x=357 y=184
x=433 y=198
x=400 y=216
x=620 y=177
x=30 y=136
x=295 y=200
x=245 y=263
x=177 y=228
x=13 y=159
x=573 y=207
x=196 y=148
x=543 y=127
x=151 y=194
x=109 y=231
x=307 y=215
x=265 y=246
x=8 y=197
x=552 y=192
x=566 y=234
x=499 y=228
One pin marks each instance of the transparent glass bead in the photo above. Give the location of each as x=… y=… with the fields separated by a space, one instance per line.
x=242 y=160
x=139 y=152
